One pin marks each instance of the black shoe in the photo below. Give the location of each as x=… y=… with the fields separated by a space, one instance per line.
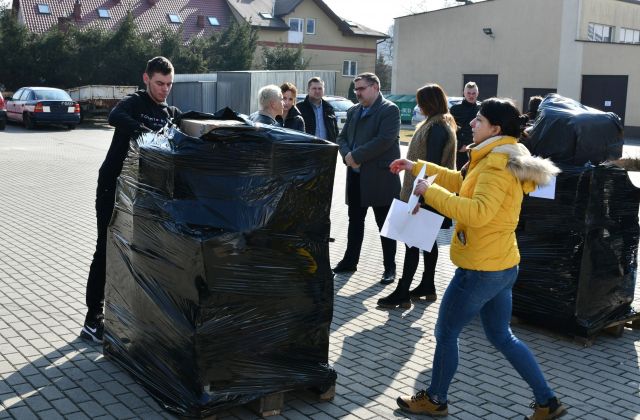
x=389 y=276
x=396 y=298
x=345 y=267
x=93 y=330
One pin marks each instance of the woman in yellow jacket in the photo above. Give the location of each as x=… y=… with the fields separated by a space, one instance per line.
x=484 y=198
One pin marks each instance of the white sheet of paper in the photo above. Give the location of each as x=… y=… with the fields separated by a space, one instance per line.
x=546 y=191
x=419 y=230
x=413 y=199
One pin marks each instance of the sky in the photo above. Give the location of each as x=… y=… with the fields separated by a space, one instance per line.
x=379 y=14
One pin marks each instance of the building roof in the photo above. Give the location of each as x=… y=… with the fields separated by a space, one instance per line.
x=149 y=15
x=268 y=14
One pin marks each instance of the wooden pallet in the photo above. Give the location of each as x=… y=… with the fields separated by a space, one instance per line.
x=271 y=405
x=615 y=328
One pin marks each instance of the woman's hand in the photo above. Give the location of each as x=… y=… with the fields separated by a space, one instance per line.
x=400 y=165
x=421 y=187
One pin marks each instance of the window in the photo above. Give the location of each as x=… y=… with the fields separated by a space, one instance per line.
x=104 y=13
x=349 y=68
x=629 y=36
x=296 y=24
x=44 y=9
x=311 y=26
x=175 y=19
x=213 y=21
x=599 y=33
x=266 y=15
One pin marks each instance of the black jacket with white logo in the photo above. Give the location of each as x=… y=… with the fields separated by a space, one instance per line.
x=134 y=115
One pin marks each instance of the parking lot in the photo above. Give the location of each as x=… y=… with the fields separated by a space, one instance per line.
x=47 y=238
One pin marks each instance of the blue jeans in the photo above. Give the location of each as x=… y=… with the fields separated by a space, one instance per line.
x=487 y=293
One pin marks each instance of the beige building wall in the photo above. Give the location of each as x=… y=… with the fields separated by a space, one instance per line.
x=536 y=44
x=328 y=48
x=444 y=45
x=623 y=15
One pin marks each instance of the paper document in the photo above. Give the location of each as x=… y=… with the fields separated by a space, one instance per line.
x=546 y=191
x=419 y=230
x=413 y=199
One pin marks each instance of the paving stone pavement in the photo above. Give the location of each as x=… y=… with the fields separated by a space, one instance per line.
x=47 y=237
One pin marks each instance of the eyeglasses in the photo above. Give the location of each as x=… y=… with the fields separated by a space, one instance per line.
x=361 y=88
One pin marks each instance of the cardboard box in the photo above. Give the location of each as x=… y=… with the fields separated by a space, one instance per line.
x=197 y=128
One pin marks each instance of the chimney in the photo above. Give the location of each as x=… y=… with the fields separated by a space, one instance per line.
x=77 y=11
x=200 y=21
x=63 y=24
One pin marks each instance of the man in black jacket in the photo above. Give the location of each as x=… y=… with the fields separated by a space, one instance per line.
x=464 y=113
x=319 y=116
x=143 y=111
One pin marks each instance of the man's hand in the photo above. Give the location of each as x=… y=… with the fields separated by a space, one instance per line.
x=350 y=162
x=463 y=148
x=400 y=165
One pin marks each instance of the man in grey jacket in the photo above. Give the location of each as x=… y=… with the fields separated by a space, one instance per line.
x=368 y=144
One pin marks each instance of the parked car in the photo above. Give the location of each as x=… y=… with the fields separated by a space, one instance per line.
x=418 y=116
x=43 y=105
x=3 y=113
x=340 y=104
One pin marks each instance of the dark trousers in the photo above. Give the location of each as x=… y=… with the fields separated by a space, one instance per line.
x=105 y=201
x=355 y=233
x=411 y=260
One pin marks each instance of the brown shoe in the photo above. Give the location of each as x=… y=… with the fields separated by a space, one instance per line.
x=551 y=410
x=421 y=403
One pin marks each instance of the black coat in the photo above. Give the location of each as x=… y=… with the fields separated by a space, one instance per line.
x=132 y=116
x=330 y=122
x=463 y=113
x=373 y=141
x=294 y=120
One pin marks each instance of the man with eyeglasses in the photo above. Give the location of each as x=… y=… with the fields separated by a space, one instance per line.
x=368 y=143
x=318 y=114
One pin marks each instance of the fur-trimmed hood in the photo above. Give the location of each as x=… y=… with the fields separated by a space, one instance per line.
x=521 y=163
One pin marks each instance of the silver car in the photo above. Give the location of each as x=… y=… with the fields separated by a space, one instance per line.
x=418 y=116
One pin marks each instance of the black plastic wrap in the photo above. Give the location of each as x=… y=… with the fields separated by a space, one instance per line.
x=219 y=289
x=568 y=132
x=578 y=266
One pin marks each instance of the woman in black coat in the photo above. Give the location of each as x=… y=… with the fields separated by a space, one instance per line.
x=291 y=117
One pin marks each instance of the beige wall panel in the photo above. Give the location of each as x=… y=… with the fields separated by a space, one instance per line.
x=598 y=59
x=609 y=12
x=441 y=46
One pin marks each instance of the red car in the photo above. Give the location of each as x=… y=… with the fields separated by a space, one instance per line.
x=3 y=113
x=43 y=105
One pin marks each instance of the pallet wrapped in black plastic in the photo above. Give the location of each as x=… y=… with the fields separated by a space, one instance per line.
x=578 y=251
x=219 y=289
x=574 y=134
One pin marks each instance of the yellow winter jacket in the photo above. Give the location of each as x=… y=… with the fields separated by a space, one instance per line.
x=487 y=205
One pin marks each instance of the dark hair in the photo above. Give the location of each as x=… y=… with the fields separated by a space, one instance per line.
x=369 y=77
x=504 y=113
x=432 y=100
x=288 y=86
x=314 y=79
x=159 y=65
x=534 y=103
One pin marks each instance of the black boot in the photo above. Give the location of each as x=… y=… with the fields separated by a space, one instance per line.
x=399 y=297
x=426 y=289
